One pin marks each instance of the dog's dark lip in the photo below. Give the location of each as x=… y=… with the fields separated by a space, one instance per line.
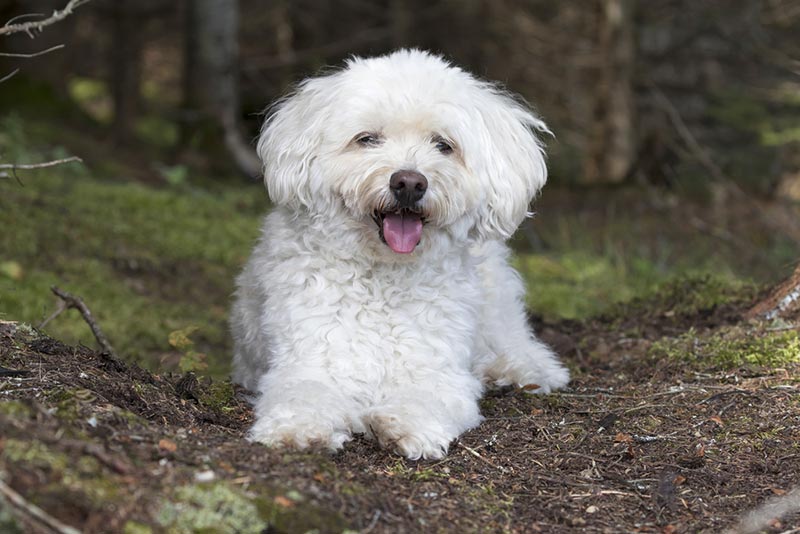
x=378 y=217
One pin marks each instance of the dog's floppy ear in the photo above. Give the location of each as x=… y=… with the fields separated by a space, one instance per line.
x=510 y=163
x=288 y=144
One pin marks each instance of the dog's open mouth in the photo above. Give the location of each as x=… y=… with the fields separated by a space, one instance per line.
x=401 y=229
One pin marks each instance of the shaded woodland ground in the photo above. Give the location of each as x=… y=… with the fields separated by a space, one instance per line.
x=681 y=417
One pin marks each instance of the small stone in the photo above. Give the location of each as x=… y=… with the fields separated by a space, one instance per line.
x=205 y=476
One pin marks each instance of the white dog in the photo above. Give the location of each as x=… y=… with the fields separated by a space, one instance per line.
x=379 y=299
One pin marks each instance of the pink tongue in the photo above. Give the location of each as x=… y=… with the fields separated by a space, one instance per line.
x=402 y=231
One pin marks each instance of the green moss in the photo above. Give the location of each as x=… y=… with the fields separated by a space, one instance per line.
x=66 y=403
x=76 y=474
x=8 y=523
x=34 y=453
x=15 y=409
x=222 y=507
x=422 y=474
x=299 y=516
x=215 y=508
x=129 y=417
x=219 y=396
x=730 y=348
x=134 y=527
x=696 y=292
x=650 y=424
x=486 y=498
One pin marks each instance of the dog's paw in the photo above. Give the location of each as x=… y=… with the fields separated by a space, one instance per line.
x=413 y=439
x=545 y=378
x=298 y=434
x=535 y=370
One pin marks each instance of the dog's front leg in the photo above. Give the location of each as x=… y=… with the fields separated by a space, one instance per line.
x=418 y=418
x=511 y=353
x=300 y=408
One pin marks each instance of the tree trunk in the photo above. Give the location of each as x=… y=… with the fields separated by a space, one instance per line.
x=400 y=23
x=189 y=78
x=126 y=68
x=217 y=33
x=783 y=301
x=611 y=148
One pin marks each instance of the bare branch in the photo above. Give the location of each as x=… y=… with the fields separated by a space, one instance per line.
x=38 y=25
x=14 y=20
x=34 y=512
x=19 y=167
x=33 y=54
x=72 y=301
x=9 y=75
x=61 y=308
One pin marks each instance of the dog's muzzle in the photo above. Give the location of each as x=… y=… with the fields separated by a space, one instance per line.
x=400 y=227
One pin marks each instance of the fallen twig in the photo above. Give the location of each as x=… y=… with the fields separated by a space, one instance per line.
x=372 y=523
x=33 y=511
x=725 y=394
x=603 y=492
x=71 y=301
x=477 y=455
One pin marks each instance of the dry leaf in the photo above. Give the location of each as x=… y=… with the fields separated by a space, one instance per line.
x=716 y=419
x=531 y=387
x=283 y=502
x=623 y=438
x=167 y=445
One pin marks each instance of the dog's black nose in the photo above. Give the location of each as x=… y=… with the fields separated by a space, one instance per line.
x=408 y=187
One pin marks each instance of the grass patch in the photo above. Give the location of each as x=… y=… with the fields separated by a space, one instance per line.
x=730 y=348
x=147 y=261
x=579 y=285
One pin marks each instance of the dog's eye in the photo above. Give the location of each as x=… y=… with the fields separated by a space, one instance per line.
x=367 y=139
x=443 y=146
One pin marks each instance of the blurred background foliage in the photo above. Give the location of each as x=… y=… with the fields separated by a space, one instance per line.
x=676 y=150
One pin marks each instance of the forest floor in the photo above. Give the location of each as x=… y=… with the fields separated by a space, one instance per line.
x=680 y=418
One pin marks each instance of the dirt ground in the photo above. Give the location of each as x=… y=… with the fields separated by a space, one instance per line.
x=642 y=441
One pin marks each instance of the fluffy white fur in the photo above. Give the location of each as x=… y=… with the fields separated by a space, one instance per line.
x=337 y=333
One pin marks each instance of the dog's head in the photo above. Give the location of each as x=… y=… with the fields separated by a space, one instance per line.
x=405 y=143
